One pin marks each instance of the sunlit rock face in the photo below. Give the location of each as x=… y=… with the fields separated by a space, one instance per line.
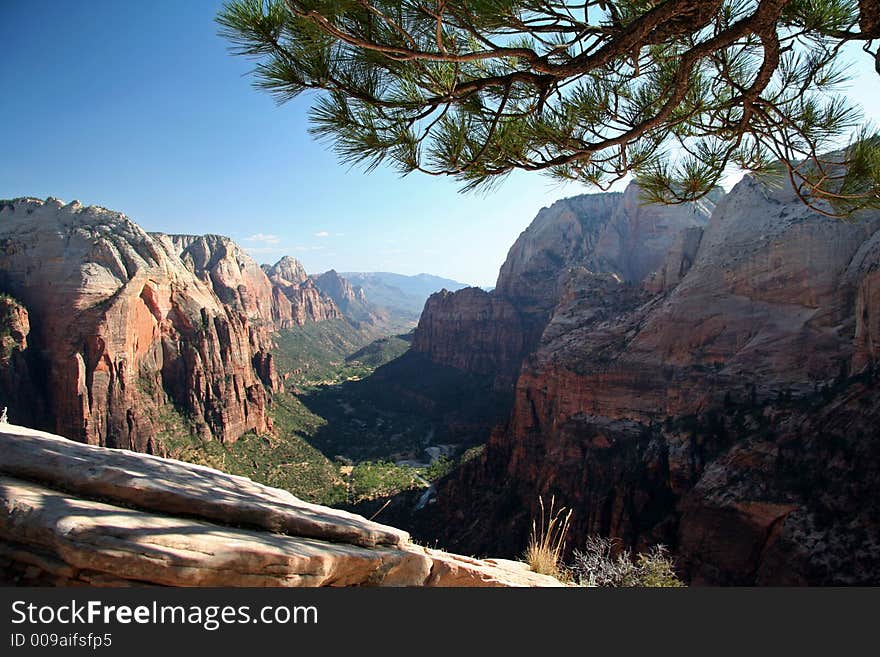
x=127 y=323
x=297 y=300
x=614 y=234
x=693 y=387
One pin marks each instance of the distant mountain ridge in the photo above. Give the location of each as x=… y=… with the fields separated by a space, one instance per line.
x=294 y=288
x=401 y=294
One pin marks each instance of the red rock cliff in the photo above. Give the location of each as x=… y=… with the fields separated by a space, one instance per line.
x=726 y=407
x=131 y=323
x=472 y=330
x=297 y=300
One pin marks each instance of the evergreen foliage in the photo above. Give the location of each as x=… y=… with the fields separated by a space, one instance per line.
x=676 y=92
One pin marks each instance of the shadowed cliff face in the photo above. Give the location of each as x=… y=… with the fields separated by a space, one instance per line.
x=129 y=324
x=780 y=494
x=20 y=366
x=699 y=405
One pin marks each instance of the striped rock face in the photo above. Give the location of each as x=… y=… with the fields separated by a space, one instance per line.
x=694 y=405
x=125 y=322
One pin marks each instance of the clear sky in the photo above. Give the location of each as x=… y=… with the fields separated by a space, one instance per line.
x=139 y=107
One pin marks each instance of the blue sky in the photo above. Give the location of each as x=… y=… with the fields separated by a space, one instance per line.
x=138 y=106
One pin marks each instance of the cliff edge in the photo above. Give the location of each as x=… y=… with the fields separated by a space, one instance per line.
x=74 y=514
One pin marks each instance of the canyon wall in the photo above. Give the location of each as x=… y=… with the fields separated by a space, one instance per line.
x=121 y=334
x=712 y=390
x=613 y=233
x=471 y=330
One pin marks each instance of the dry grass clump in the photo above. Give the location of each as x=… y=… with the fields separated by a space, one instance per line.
x=547 y=539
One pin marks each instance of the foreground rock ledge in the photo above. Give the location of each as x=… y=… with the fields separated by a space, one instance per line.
x=75 y=514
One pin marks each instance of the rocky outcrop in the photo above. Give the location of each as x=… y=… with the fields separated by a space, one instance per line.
x=297 y=300
x=126 y=327
x=287 y=271
x=351 y=300
x=700 y=405
x=784 y=493
x=611 y=233
x=793 y=500
x=472 y=330
x=73 y=514
x=14 y=327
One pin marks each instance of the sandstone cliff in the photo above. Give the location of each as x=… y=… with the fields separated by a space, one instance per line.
x=610 y=233
x=722 y=404
x=471 y=330
x=137 y=519
x=297 y=300
x=128 y=330
x=351 y=300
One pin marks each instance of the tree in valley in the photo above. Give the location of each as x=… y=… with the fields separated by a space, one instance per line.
x=676 y=92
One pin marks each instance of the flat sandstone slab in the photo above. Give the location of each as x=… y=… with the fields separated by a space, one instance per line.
x=147 y=547
x=74 y=514
x=173 y=487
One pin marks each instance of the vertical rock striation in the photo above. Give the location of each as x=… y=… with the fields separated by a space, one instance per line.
x=709 y=385
x=297 y=300
x=131 y=326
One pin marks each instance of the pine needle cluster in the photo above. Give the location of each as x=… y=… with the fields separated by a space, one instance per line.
x=675 y=92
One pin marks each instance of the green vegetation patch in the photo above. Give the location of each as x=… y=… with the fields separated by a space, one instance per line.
x=355 y=420
x=370 y=480
x=285 y=460
x=317 y=353
x=381 y=351
x=405 y=406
